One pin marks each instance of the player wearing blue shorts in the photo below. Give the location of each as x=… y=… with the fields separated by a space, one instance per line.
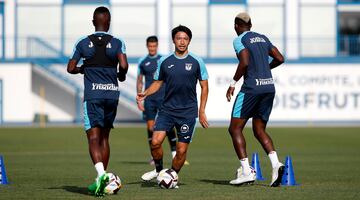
x=180 y=72
x=101 y=54
x=255 y=98
x=146 y=68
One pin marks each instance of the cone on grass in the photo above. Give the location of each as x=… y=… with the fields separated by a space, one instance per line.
x=255 y=163
x=3 y=177
x=288 y=178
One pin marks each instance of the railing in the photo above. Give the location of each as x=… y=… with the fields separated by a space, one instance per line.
x=349 y=45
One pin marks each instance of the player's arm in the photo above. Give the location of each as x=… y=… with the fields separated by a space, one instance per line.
x=123 y=66
x=73 y=61
x=243 y=57
x=72 y=68
x=278 y=58
x=139 y=87
x=203 y=100
x=153 y=88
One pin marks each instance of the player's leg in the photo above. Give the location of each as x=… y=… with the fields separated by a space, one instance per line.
x=171 y=135
x=180 y=157
x=185 y=129
x=110 y=110
x=105 y=147
x=150 y=131
x=241 y=112
x=163 y=123
x=94 y=118
x=157 y=154
x=259 y=128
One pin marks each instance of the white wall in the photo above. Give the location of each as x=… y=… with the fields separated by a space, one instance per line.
x=18 y=101
x=322 y=94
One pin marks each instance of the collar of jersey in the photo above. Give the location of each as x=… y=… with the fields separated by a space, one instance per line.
x=242 y=34
x=100 y=32
x=181 y=57
x=154 y=56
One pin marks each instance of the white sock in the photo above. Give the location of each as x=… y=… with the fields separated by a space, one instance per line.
x=173 y=153
x=273 y=159
x=245 y=166
x=100 y=168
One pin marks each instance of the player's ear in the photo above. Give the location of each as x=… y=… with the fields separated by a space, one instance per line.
x=93 y=21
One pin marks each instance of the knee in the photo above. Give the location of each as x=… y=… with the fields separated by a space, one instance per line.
x=155 y=144
x=94 y=139
x=181 y=152
x=233 y=129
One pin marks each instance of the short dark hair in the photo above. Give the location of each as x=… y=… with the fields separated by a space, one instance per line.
x=152 y=38
x=101 y=10
x=241 y=22
x=181 y=28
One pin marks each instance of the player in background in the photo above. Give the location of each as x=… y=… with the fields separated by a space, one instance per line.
x=255 y=98
x=146 y=68
x=180 y=72
x=101 y=54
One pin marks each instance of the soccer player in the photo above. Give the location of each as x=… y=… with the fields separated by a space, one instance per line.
x=146 y=68
x=255 y=98
x=180 y=72
x=101 y=54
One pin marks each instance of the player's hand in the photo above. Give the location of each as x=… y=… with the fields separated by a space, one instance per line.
x=203 y=120
x=230 y=93
x=121 y=76
x=140 y=97
x=140 y=106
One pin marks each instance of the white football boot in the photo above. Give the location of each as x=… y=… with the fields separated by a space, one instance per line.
x=148 y=176
x=242 y=179
x=277 y=174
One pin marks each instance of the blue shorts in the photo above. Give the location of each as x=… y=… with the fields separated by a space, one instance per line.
x=256 y=106
x=99 y=113
x=185 y=127
x=151 y=109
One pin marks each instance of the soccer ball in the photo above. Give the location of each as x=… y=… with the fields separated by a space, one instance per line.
x=167 y=179
x=114 y=184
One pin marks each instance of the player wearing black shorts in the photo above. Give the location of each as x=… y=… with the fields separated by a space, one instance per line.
x=255 y=98
x=101 y=54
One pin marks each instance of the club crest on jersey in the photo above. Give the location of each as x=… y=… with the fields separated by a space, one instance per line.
x=188 y=66
x=91 y=45
x=184 y=128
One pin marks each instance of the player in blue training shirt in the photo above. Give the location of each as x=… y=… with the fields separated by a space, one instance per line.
x=146 y=68
x=255 y=98
x=101 y=54
x=180 y=72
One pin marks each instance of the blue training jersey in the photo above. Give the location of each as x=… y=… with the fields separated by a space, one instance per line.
x=100 y=82
x=147 y=67
x=258 y=77
x=180 y=76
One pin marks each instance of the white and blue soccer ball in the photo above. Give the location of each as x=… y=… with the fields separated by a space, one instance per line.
x=114 y=184
x=167 y=179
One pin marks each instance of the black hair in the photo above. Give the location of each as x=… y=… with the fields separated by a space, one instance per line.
x=152 y=38
x=101 y=10
x=181 y=28
x=241 y=22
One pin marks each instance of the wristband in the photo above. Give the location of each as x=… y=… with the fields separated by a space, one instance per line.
x=233 y=83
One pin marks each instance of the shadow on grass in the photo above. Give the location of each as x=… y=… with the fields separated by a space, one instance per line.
x=144 y=183
x=135 y=162
x=226 y=182
x=73 y=189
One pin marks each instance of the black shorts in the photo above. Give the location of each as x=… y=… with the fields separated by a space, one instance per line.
x=99 y=113
x=256 y=106
x=185 y=127
x=151 y=109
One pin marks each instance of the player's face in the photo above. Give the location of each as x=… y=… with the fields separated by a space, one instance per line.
x=181 y=41
x=152 y=48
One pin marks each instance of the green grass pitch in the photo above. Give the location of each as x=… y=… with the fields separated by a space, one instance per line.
x=53 y=163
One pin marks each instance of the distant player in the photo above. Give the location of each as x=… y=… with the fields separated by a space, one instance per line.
x=180 y=72
x=101 y=54
x=146 y=68
x=255 y=98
